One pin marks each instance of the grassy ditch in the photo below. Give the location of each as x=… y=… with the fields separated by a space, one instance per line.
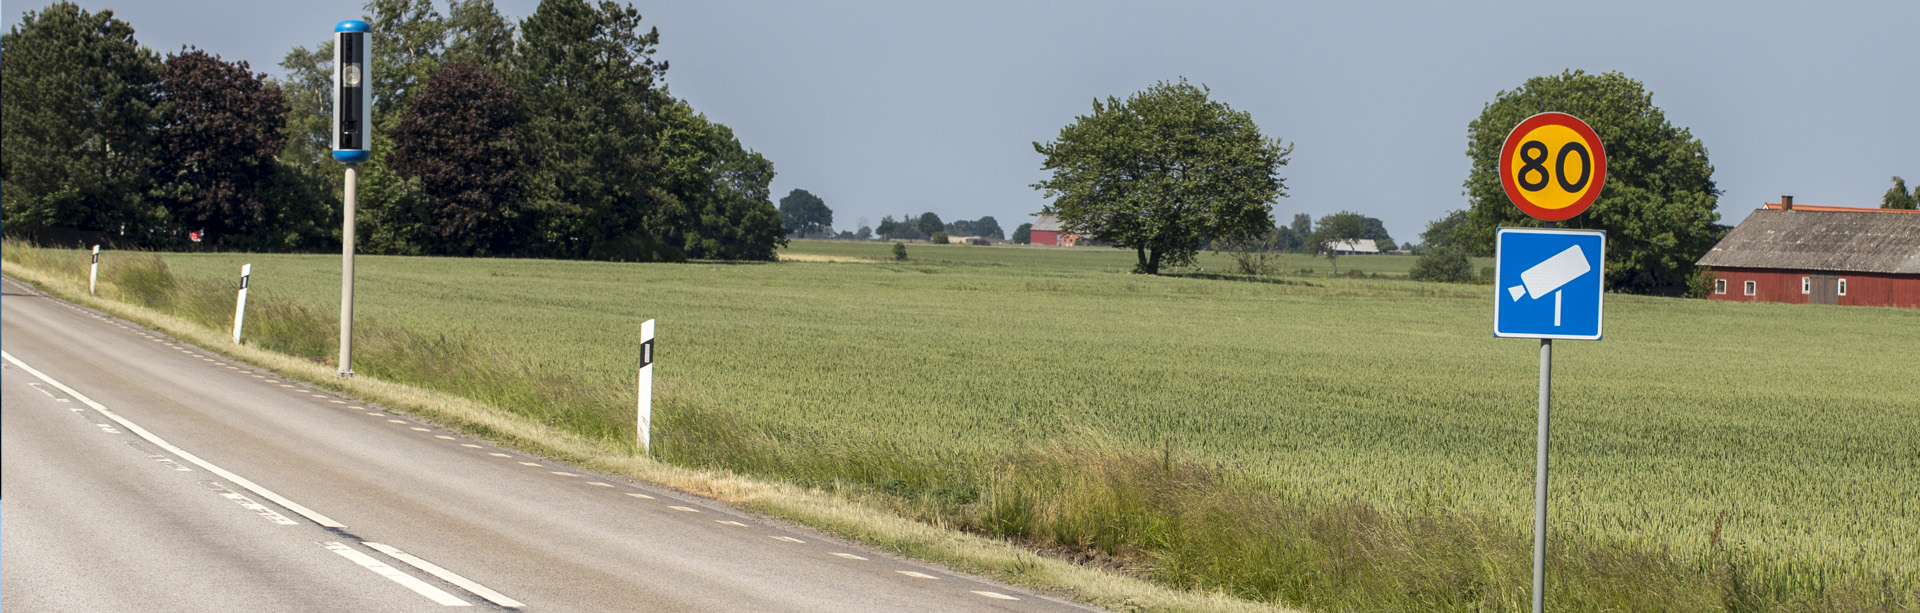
x=1334 y=444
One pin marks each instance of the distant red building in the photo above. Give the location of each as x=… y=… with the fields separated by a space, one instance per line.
x=1820 y=255
x=1046 y=231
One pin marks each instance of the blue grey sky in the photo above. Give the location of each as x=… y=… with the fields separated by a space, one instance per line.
x=891 y=108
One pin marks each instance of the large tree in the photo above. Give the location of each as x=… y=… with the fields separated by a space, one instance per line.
x=722 y=191
x=459 y=138
x=477 y=34
x=1658 y=204
x=1343 y=227
x=1897 y=197
x=591 y=87
x=804 y=214
x=220 y=130
x=78 y=97
x=1162 y=173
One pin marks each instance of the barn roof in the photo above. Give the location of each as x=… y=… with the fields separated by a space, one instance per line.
x=1046 y=223
x=1822 y=238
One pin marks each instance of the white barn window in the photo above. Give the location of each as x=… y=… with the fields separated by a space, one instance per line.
x=1843 y=287
x=1752 y=288
x=1719 y=286
x=1806 y=285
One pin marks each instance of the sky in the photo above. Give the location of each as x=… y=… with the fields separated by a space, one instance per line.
x=895 y=108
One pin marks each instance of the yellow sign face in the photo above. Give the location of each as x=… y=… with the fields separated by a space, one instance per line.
x=1553 y=166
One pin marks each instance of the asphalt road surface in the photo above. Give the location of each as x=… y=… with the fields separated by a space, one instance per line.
x=144 y=474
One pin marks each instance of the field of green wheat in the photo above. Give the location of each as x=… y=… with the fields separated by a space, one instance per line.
x=1332 y=443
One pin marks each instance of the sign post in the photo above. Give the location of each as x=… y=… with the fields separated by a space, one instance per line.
x=1552 y=166
x=352 y=144
x=93 y=273
x=646 y=387
x=240 y=304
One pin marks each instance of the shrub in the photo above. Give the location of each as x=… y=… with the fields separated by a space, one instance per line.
x=1446 y=264
x=900 y=251
x=939 y=238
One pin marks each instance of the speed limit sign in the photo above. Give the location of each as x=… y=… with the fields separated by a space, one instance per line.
x=1553 y=166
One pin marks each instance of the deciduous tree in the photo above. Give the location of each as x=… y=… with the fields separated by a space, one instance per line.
x=804 y=214
x=722 y=191
x=219 y=133
x=1898 y=197
x=460 y=137
x=1162 y=173
x=478 y=35
x=78 y=98
x=1658 y=204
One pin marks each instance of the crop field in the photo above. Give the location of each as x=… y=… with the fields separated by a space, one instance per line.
x=1330 y=443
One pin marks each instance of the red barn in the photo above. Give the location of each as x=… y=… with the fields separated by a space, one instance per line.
x=1820 y=255
x=1046 y=231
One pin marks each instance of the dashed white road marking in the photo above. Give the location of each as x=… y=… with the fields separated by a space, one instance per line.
x=640 y=496
x=917 y=575
x=687 y=509
x=397 y=421
x=471 y=445
x=419 y=429
x=994 y=595
x=249 y=504
x=730 y=523
x=283 y=501
x=380 y=568
x=535 y=464
x=443 y=436
x=499 y=455
x=446 y=575
x=787 y=539
x=563 y=474
x=599 y=484
x=157 y=457
x=849 y=556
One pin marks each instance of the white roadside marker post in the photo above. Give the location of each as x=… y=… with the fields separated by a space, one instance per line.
x=646 y=387
x=94 y=274
x=240 y=305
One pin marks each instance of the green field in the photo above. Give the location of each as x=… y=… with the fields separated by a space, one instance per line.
x=1333 y=443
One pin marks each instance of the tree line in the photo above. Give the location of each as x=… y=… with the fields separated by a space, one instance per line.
x=553 y=137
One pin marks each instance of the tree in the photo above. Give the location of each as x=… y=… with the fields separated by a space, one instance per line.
x=1302 y=229
x=938 y=238
x=79 y=108
x=1897 y=196
x=1445 y=264
x=459 y=139
x=1658 y=204
x=220 y=129
x=983 y=227
x=900 y=251
x=865 y=233
x=804 y=214
x=1023 y=234
x=589 y=81
x=929 y=224
x=478 y=35
x=1344 y=226
x=409 y=37
x=1449 y=231
x=722 y=190
x=1162 y=173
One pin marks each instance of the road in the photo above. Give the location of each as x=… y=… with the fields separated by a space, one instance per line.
x=145 y=474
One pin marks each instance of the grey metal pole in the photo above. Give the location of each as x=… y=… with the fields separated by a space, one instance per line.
x=1540 y=481
x=346 y=277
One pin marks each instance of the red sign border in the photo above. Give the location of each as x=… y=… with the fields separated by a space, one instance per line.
x=1599 y=165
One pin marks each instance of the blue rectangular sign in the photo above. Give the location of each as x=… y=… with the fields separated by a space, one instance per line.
x=1548 y=283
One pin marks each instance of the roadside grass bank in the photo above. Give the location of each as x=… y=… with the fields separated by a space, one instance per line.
x=1336 y=444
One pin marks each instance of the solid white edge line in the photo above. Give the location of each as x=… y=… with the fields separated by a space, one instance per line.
x=446 y=575
x=250 y=486
x=409 y=581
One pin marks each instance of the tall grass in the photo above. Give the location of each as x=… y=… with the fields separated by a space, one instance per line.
x=1338 y=444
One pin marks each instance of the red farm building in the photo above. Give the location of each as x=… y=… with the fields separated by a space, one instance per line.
x=1820 y=255
x=1046 y=231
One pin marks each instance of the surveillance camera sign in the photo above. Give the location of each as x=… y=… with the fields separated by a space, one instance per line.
x=1549 y=283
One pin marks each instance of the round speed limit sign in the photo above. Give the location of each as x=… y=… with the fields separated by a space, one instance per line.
x=1553 y=166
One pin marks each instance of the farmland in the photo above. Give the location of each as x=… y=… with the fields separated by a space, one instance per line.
x=1332 y=443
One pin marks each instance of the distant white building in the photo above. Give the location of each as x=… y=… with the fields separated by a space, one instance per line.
x=1363 y=246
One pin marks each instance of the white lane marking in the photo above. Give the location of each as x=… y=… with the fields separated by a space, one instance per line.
x=499 y=455
x=195 y=460
x=157 y=457
x=788 y=539
x=108 y=429
x=336 y=402
x=730 y=523
x=249 y=504
x=357 y=407
x=564 y=474
x=446 y=575
x=421 y=430
x=640 y=496
x=850 y=556
x=995 y=595
x=917 y=575
x=380 y=568
x=396 y=421
x=689 y=510
x=42 y=390
x=525 y=463
x=597 y=483
x=443 y=436
x=471 y=445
